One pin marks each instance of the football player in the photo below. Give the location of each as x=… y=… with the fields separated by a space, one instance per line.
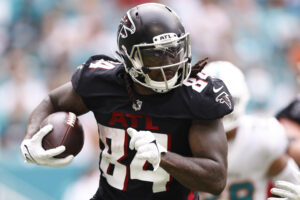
x=289 y=117
x=159 y=121
x=257 y=146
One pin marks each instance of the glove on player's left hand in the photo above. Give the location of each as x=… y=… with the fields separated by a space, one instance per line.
x=146 y=146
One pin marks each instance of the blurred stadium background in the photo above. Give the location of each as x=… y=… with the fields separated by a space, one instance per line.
x=42 y=42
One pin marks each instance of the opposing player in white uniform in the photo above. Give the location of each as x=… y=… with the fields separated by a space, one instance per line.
x=256 y=145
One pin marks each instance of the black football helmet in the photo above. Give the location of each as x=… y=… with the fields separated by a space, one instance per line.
x=152 y=37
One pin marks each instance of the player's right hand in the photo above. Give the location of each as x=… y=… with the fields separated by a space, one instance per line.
x=286 y=190
x=33 y=151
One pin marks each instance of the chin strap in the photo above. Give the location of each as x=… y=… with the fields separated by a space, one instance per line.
x=160 y=86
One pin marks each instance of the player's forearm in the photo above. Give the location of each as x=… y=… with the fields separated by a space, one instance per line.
x=199 y=174
x=40 y=112
x=63 y=98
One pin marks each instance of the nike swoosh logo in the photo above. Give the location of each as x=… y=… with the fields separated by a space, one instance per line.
x=216 y=90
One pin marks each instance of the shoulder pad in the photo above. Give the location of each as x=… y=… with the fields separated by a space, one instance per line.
x=208 y=97
x=98 y=74
x=101 y=60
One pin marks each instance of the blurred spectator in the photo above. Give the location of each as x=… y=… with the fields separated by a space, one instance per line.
x=19 y=95
x=209 y=25
x=5 y=17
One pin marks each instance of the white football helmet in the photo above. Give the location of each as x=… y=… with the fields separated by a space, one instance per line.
x=234 y=79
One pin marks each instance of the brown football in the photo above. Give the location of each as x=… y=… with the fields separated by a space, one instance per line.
x=67 y=130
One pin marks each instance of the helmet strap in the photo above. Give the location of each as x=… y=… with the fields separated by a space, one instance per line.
x=160 y=86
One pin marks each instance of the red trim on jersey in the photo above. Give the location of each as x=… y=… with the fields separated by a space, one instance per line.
x=168 y=183
x=108 y=142
x=270 y=186
x=126 y=178
x=199 y=84
x=168 y=148
x=145 y=165
x=124 y=156
x=169 y=142
x=108 y=171
x=191 y=195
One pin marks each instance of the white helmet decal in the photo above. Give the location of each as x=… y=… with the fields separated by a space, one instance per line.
x=128 y=26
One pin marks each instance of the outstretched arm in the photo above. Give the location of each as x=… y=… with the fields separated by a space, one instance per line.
x=207 y=170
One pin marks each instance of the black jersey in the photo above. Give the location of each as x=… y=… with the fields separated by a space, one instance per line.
x=292 y=111
x=100 y=83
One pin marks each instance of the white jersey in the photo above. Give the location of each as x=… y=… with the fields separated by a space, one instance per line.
x=258 y=142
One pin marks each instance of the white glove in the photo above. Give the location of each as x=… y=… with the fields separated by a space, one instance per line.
x=33 y=151
x=146 y=146
x=286 y=190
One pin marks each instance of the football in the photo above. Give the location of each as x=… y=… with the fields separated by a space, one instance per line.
x=67 y=130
